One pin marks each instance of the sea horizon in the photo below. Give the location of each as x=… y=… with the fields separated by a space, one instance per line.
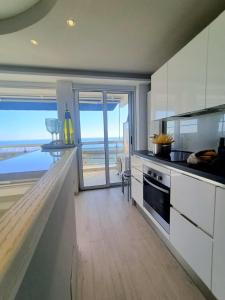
x=43 y=141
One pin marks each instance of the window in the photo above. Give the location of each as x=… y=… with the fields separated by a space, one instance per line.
x=22 y=125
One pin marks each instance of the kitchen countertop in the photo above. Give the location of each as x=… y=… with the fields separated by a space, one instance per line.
x=22 y=225
x=182 y=166
x=28 y=165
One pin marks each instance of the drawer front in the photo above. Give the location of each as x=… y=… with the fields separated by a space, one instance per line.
x=193 y=244
x=137 y=174
x=137 y=191
x=156 y=167
x=218 y=272
x=136 y=163
x=195 y=199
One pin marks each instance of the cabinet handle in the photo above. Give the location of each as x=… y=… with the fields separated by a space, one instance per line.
x=193 y=223
x=156 y=186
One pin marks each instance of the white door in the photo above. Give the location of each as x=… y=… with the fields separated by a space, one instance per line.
x=194 y=245
x=187 y=77
x=215 y=92
x=159 y=94
x=218 y=269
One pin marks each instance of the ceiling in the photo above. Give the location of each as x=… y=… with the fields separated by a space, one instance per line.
x=111 y=35
x=11 y=8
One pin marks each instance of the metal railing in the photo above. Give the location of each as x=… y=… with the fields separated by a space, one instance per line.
x=93 y=154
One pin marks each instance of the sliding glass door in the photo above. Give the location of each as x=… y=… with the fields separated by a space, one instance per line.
x=118 y=135
x=104 y=137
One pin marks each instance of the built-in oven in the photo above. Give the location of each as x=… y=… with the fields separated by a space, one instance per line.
x=156 y=194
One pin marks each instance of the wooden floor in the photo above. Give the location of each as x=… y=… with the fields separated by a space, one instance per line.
x=121 y=257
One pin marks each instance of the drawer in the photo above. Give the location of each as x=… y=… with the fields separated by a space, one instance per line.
x=195 y=199
x=137 y=174
x=156 y=167
x=137 y=191
x=193 y=244
x=218 y=272
x=137 y=163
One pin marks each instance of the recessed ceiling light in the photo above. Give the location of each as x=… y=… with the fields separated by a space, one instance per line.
x=71 y=22
x=34 y=42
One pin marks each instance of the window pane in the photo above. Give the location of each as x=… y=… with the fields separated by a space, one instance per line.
x=118 y=133
x=23 y=128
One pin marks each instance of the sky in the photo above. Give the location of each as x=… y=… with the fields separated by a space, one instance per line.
x=92 y=123
x=30 y=125
x=24 y=125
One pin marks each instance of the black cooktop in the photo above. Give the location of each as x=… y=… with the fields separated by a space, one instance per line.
x=178 y=159
x=174 y=156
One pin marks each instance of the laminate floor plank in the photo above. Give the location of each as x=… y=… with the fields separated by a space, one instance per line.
x=120 y=255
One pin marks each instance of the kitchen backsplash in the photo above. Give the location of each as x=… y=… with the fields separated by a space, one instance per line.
x=197 y=132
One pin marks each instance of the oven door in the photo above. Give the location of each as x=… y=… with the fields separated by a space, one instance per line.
x=157 y=201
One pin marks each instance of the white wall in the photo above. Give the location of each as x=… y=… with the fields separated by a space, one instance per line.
x=140 y=117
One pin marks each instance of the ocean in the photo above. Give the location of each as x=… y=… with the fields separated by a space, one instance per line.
x=113 y=143
x=23 y=142
x=92 y=154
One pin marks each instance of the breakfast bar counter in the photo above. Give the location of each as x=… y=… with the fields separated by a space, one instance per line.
x=37 y=232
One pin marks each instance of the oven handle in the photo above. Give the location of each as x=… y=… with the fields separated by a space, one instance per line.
x=157 y=187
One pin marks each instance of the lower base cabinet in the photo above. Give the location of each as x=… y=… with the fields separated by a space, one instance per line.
x=218 y=272
x=137 y=191
x=193 y=245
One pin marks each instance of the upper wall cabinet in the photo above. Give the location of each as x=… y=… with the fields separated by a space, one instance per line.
x=187 y=77
x=159 y=94
x=215 y=88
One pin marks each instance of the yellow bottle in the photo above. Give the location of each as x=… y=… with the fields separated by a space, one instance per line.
x=68 y=128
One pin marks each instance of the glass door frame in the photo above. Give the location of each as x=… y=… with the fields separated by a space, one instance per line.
x=104 y=91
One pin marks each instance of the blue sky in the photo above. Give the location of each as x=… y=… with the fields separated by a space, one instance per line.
x=24 y=125
x=30 y=125
x=92 y=123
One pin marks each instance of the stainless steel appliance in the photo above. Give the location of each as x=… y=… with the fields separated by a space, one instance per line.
x=156 y=194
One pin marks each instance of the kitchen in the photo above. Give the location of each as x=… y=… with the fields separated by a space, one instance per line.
x=182 y=193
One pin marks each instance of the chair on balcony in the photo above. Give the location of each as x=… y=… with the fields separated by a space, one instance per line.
x=126 y=181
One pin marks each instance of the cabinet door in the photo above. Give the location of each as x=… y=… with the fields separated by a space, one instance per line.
x=137 y=191
x=159 y=94
x=215 y=91
x=193 y=245
x=195 y=199
x=218 y=272
x=137 y=174
x=137 y=163
x=187 y=77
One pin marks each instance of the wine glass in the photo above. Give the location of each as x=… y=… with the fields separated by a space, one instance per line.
x=58 y=129
x=50 y=124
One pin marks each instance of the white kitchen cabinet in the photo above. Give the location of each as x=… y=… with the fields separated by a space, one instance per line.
x=137 y=163
x=137 y=174
x=193 y=244
x=187 y=77
x=218 y=269
x=159 y=94
x=215 y=91
x=137 y=191
x=195 y=199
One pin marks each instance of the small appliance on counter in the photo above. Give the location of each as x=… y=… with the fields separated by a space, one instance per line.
x=162 y=144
